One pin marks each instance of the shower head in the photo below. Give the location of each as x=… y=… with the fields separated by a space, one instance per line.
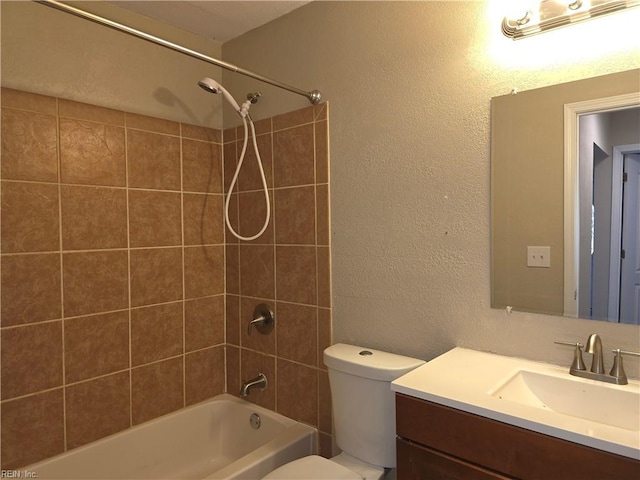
x=211 y=86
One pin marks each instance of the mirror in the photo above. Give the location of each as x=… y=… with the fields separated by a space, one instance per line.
x=532 y=169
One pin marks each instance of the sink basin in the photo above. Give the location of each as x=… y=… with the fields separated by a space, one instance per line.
x=532 y=395
x=589 y=401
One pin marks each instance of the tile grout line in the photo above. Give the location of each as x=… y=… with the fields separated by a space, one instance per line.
x=129 y=316
x=61 y=257
x=184 y=295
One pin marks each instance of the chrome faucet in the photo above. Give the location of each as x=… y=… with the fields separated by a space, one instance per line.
x=594 y=347
x=258 y=382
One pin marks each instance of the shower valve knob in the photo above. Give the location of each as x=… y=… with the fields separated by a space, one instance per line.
x=263 y=320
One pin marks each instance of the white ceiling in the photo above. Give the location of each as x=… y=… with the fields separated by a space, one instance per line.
x=218 y=20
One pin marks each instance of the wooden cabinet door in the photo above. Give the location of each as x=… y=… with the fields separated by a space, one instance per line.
x=416 y=462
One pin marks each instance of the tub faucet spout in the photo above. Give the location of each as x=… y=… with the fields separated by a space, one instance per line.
x=258 y=382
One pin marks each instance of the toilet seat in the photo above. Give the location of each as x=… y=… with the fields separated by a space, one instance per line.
x=313 y=467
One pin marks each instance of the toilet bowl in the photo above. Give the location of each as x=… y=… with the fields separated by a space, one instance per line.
x=364 y=416
x=314 y=467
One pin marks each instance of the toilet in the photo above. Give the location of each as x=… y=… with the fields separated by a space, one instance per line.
x=363 y=413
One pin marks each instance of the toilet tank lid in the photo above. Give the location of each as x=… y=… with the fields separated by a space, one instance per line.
x=368 y=363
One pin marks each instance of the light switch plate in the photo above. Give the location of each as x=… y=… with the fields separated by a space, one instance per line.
x=539 y=257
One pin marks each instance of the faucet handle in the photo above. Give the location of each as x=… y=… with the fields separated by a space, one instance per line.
x=263 y=319
x=624 y=352
x=578 y=362
x=617 y=370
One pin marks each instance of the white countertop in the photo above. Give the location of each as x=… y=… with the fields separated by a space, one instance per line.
x=467 y=379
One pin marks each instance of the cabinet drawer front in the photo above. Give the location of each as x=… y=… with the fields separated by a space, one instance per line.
x=504 y=448
x=420 y=463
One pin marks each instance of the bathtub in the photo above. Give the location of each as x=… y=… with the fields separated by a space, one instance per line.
x=211 y=440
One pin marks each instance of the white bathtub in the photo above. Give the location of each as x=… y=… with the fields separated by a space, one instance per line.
x=211 y=440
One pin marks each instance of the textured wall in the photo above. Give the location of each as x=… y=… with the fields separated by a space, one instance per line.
x=53 y=53
x=410 y=85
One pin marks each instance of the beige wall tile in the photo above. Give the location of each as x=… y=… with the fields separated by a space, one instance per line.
x=325 y=423
x=294 y=118
x=29 y=101
x=321 y=111
x=204 y=374
x=204 y=322
x=203 y=219
x=229 y=135
x=201 y=133
x=143 y=270
x=297 y=333
x=322 y=152
x=156 y=389
x=261 y=126
x=156 y=333
x=92 y=153
x=324 y=277
x=29 y=146
x=230 y=161
x=153 y=160
x=295 y=215
x=296 y=278
x=155 y=218
x=95 y=282
x=97 y=408
x=233 y=220
x=232 y=268
x=325 y=445
x=96 y=345
x=201 y=166
x=152 y=124
x=233 y=369
x=156 y=276
x=294 y=157
x=257 y=272
x=324 y=333
x=93 y=113
x=30 y=288
x=232 y=319
x=203 y=271
x=322 y=215
x=30 y=218
x=32 y=428
x=93 y=217
x=297 y=388
x=31 y=359
x=249 y=177
x=252 y=211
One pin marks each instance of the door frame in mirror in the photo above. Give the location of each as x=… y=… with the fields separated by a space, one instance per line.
x=572 y=113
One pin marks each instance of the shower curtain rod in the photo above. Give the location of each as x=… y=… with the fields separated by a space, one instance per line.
x=313 y=96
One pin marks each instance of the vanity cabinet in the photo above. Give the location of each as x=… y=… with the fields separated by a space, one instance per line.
x=438 y=442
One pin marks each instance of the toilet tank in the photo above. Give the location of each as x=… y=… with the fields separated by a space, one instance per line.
x=363 y=403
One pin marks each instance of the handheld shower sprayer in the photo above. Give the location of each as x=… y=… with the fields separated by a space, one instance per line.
x=211 y=86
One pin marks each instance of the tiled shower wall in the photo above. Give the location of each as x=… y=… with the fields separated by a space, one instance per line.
x=287 y=267
x=112 y=272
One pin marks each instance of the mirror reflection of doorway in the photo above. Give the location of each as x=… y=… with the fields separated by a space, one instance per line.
x=609 y=251
x=629 y=311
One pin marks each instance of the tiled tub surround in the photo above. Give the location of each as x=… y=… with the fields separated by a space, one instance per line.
x=112 y=272
x=287 y=267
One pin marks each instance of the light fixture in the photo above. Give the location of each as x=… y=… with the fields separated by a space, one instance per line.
x=545 y=15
